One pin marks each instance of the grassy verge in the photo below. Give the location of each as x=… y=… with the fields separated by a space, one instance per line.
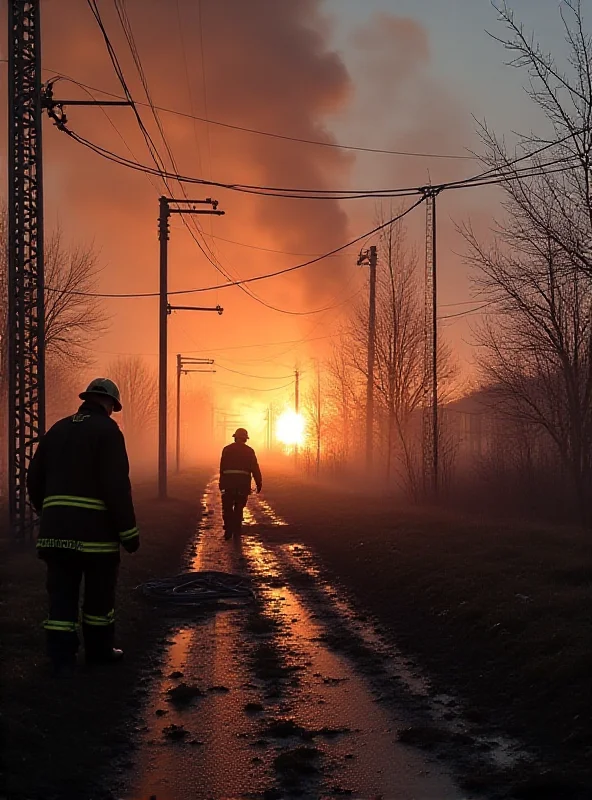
x=60 y=738
x=497 y=613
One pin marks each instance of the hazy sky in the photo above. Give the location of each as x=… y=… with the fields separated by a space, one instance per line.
x=407 y=74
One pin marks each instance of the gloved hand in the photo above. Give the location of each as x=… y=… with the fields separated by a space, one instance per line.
x=132 y=545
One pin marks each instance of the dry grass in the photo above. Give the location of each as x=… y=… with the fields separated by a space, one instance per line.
x=496 y=612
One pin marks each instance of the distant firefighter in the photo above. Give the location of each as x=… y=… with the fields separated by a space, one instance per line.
x=237 y=465
x=78 y=481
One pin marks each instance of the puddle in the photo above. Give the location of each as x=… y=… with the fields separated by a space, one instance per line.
x=305 y=723
x=444 y=709
x=366 y=760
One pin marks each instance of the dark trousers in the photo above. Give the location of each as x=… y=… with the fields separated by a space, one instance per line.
x=233 y=503
x=65 y=571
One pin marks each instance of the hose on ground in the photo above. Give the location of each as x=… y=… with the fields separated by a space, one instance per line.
x=199 y=588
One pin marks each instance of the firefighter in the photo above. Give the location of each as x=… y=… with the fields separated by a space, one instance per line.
x=237 y=465
x=78 y=481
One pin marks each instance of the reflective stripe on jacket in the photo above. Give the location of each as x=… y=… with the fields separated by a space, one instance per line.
x=237 y=464
x=78 y=481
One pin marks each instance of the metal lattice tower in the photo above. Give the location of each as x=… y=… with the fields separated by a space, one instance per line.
x=430 y=407
x=26 y=339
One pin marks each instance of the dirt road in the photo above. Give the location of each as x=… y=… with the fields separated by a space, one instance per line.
x=292 y=695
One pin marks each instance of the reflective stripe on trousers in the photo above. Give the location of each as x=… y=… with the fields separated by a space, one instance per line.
x=63 y=626
x=99 y=621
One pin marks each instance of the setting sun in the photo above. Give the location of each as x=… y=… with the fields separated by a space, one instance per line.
x=290 y=428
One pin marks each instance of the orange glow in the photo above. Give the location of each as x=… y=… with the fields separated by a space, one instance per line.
x=291 y=429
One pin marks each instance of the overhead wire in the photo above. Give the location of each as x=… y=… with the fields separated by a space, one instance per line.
x=487 y=177
x=265 y=276
x=269 y=274
x=258 y=377
x=494 y=174
x=253 y=389
x=271 y=134
x=466 y=313
x=188 y=220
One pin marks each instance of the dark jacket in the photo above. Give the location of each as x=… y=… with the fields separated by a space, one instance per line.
x=78 y=480
x=237 y=465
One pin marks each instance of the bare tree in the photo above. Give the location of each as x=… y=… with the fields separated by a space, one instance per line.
x=536 y=274
x=139 y=395
x=73 y=317
x=315 y=412
x=399 y=375
x=342 y=403
x=551 y=182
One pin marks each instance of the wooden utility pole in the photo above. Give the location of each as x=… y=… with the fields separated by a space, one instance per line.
x=370 y=258
x=430 y=416
x=167 y=207
x=163 y=236
x=184 y=366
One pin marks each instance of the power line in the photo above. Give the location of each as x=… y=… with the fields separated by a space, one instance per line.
x=265 y=249
x=258 y=377
x=259 y=277
x=263 y=344
x=271 y=134
x=466 y=313
x=252 y=389
x=492 y=176
x=190 y=222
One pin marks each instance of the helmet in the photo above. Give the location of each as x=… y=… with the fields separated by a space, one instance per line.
x=240 y=433
x=102 y=387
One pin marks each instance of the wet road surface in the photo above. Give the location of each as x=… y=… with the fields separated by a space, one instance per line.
x=292 y=695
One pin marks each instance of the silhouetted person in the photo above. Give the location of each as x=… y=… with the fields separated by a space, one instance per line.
x=237 y=465
x=78 y=481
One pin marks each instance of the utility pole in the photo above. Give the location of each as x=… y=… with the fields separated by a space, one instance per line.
x=168 y=206
x=370 y=258
x=318 y=419
x=296 y=406
x=185 y=365
x=430 y=416
x=163 y=237
x=233 y=419
x=26 y=318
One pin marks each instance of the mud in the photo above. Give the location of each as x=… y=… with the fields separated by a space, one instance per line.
x=287 y=697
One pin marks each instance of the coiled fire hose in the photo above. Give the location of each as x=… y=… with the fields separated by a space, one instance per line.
x=199 y=588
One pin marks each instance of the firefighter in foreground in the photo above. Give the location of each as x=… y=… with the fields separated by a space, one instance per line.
x=237 y=465
x=78 y=481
